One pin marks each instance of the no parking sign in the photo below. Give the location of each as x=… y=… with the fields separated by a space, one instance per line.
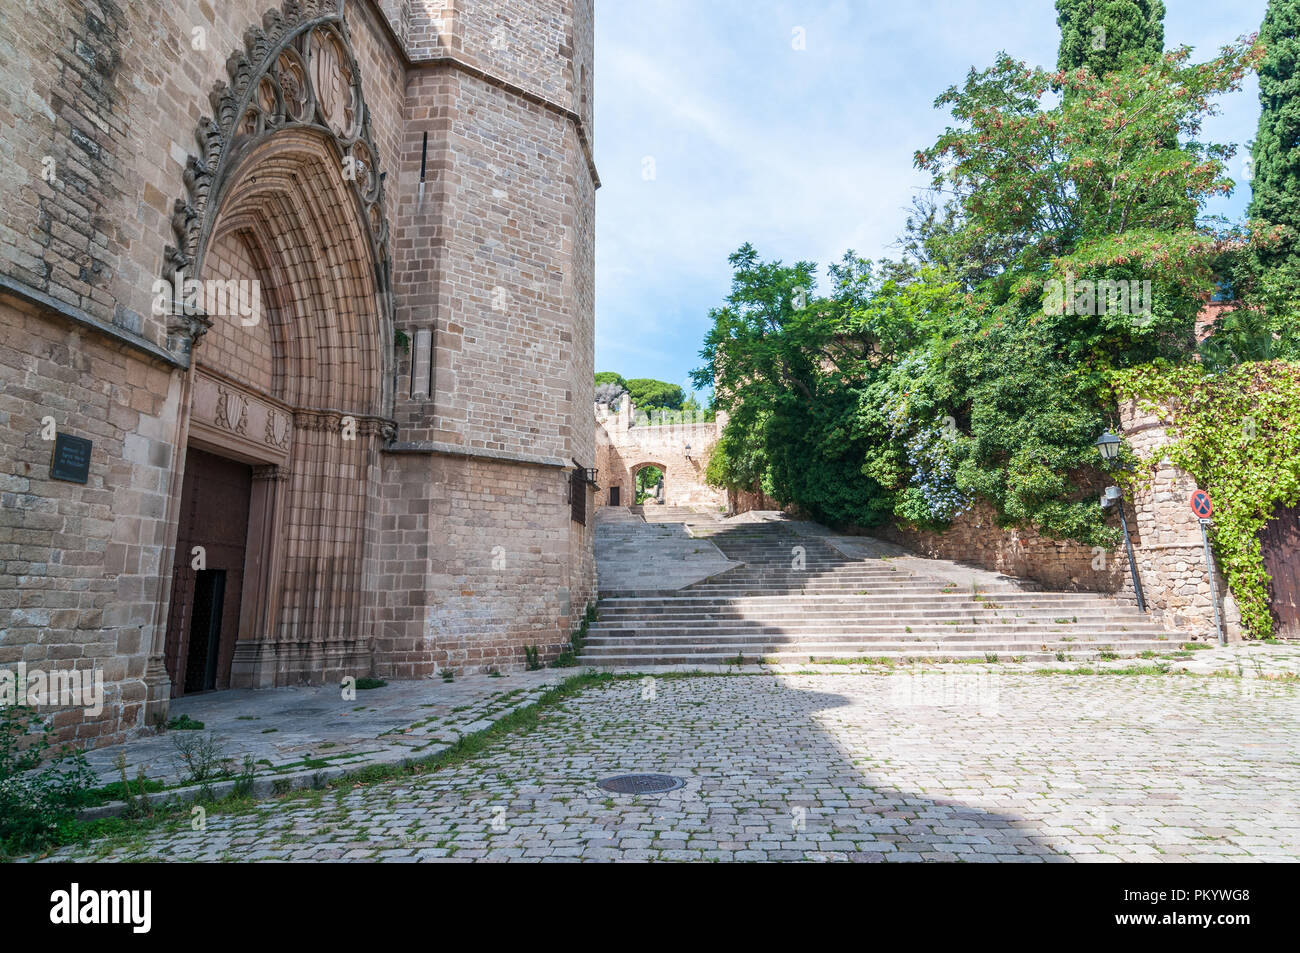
x=1203 y=507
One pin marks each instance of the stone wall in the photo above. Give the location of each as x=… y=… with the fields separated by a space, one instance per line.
x=80 y=566
x=1166 y=540
x=625 y=444
x=385 y=546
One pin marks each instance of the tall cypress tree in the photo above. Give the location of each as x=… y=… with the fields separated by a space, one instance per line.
x=1098 y=33
x=1275 y=195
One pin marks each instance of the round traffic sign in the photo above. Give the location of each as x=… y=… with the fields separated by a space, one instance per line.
x=1202 y=505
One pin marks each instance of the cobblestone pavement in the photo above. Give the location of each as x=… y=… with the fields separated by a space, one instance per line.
x=897 y=767
x=284 y=728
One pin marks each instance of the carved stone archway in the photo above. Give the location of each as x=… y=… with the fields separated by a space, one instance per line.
x=297 y=70
x=286 y=192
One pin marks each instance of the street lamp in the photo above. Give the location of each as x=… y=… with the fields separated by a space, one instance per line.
x=1108 y=446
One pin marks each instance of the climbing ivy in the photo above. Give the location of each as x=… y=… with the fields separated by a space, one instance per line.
x=1237 y=432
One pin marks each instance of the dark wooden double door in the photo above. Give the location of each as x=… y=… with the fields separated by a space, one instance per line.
x=1281 y=544
x=203 y=624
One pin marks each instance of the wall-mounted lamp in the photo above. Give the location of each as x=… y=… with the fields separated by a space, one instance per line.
x=1108 y=446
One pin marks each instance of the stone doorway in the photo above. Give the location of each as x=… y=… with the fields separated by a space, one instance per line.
x=1280 y=541
x=649 y=482
x=207 y=584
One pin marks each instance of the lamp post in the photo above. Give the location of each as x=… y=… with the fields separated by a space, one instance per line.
x=1108 y=446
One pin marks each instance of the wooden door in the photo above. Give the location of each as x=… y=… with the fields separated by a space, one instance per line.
x=1281 y=544
x=203 y=622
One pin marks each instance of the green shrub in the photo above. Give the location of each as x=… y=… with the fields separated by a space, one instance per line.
x=39 y=792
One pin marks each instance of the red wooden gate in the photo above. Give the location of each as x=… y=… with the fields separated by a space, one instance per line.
x=1281 y=543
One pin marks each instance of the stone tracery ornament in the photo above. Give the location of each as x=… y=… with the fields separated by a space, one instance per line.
x=297 y=68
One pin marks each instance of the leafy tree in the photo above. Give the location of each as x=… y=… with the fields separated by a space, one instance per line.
x=609 y=377
x=649 y=394
x=1092 y=188
x=915 y=387
x=1099 y=35
x=1275 y=198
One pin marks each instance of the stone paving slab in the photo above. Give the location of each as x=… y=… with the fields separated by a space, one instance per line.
x=1245 y=660
x=899 y=767
x=280 y=728
x=632 y=554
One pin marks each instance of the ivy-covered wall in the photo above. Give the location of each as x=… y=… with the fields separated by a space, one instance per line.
x=1235 y=433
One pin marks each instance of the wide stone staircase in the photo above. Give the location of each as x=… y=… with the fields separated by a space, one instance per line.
x=798 y=597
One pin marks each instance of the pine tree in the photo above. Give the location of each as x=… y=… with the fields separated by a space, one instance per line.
x=1275 y=186
x=1097 y=34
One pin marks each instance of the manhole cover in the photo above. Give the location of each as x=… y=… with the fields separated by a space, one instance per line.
x=641 y=783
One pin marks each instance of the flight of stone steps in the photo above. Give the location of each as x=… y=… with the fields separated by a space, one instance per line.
x=796 y=598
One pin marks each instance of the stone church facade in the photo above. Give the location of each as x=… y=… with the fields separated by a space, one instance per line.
x=315 y=282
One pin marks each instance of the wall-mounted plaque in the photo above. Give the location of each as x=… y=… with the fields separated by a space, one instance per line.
x=71 y=459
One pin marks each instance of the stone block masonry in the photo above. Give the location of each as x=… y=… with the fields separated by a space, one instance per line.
x=627 y=441
x=405 y=416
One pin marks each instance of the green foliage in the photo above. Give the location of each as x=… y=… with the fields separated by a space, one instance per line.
x=609 y=377
x=39 y=792
x=1275 y=187
x=648 y=394
x=184 y=723
x=1099 y=35
x=532 y=658
x=647 y=480
x=914 y=388
x=368 y=683
x=1238 y=435
x=200 y=758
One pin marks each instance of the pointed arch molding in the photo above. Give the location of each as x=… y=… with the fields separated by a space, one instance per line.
x=298 y=70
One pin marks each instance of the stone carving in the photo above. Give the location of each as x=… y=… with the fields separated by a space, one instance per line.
x=334 y=83
x=296 y=68
x=232 y=411
x=278 y=430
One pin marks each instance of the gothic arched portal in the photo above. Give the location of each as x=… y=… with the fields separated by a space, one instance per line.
x=290 y=400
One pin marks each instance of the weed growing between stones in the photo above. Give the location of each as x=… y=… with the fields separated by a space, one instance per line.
x=40 y=792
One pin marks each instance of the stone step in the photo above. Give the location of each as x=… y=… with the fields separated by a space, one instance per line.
x=711 y=655
x=903 y=598
x=904 y=632
x=837 y=607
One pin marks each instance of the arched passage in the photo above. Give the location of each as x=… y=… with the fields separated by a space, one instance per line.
x=649 y=482
x=289 y=404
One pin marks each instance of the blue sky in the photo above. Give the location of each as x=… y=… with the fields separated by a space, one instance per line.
x=805 y=153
